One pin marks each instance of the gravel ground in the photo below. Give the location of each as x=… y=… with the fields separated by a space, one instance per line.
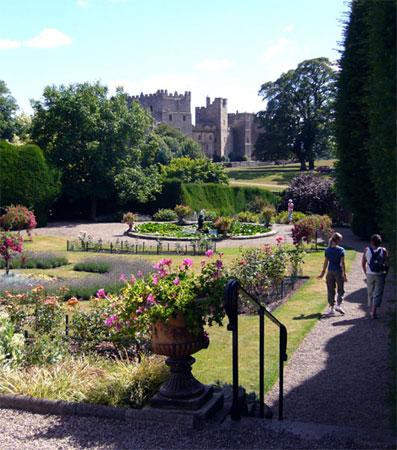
x=340 y=374
x=114 y=230
x=20 y=430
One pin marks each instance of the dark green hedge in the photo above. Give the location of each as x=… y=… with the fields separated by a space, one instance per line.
x=27 y=179
x=211 y=196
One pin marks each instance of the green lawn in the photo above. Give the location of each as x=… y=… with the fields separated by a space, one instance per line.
x=299 y=314
x=272 y=177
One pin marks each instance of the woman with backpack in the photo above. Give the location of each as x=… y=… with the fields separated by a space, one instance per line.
x=375 y=264
x=334 y=261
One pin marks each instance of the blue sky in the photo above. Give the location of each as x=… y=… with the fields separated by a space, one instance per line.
x=223 y=48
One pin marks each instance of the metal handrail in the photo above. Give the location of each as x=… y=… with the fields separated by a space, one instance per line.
x=231 y=307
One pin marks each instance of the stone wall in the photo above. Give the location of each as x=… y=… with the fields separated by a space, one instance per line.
x=245 y=130
x=171 y=109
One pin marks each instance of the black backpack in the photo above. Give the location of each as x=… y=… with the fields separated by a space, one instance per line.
x=378 y=261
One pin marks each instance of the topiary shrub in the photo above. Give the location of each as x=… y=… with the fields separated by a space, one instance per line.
x=165 y=215
x=27 y=179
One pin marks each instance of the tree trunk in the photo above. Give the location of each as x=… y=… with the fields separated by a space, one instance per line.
x=93 y=208
x=311 y=164
x=303 y=165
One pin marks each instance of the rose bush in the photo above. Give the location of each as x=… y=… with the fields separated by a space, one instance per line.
x=9 y=245
x=18 y=217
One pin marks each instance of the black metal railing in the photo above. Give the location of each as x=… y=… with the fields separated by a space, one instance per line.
x=231 y=296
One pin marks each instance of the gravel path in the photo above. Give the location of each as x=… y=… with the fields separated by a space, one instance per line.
x=114 y=230
x=340 y=374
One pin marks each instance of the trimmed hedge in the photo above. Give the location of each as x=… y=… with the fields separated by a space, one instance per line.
x=225 y=200
x=27 y=179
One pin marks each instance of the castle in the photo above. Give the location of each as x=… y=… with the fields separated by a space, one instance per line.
x=220 y=134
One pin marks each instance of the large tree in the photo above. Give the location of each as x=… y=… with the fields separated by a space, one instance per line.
x=90 y=137
x=298 y=119
x=8 y=109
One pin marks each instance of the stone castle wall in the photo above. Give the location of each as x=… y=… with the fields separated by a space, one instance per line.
x=220 y=134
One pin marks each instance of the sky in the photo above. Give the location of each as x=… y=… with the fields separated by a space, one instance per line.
x=215 y=48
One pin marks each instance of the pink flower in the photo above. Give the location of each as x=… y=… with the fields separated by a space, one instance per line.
x=151 y=300
x=209 y=253
x=176 y=281
x=101 y=293
x=139 y=274
x=280 y=239
x=132 y=279
x=187 y=262
x=155 y=279
x=139 y=310
x=123 y=278
x=110 y=321
x=219 y=264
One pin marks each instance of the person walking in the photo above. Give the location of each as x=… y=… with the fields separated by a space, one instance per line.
x=375 y=265
x=334 y=261
x=290 y=210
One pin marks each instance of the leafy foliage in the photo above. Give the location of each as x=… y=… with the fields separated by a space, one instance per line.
x=165 y=215
x=8 y=108
x=91 y=138
x=305 y=229
x=199 y=170
x=311 y=193
x=36 y=260
x=298 y=119
x=282 y=217
x=37 y=184
x=182 y=211
x=248 y=216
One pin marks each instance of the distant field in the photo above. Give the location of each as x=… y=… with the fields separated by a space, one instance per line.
x=272 y=177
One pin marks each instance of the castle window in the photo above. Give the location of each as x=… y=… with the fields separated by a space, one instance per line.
x=206 y=146
x=210 y=137
x=199 y=137
x=184 y=118
x=151 y=108
x=248 y=140
x=170 y=117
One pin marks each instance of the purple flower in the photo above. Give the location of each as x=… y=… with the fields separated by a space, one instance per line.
x=110 y=321
x=123 y=278
x=176 y=281
x=139 y=274
x=139 y=310
x=150 y=300
x=155 y=279
x=101 y=293
x=209 y=253
x=219 y=264
x=187 y=262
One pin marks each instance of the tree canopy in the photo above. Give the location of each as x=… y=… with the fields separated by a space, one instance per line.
x=299 y=115
x=90 y=137
x=8 y=109
x=200 y=170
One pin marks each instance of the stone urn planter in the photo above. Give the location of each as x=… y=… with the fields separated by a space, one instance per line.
x=181 y=390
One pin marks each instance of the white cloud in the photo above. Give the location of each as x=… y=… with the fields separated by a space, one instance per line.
x=48 y=38
x=8 y=44
x=274 y=50
x=214 y=65
x=83 y=3
x=288 y=28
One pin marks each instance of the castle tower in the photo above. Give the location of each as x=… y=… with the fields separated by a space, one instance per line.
x=214 y=116
x=171 y=109
x=245 y=130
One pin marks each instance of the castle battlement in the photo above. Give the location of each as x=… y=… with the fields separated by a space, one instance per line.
x=162 y=94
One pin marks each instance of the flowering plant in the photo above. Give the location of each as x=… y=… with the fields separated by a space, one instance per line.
x=129 y=218
x=18 y=217
x=170 y=291
x=10 y=243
